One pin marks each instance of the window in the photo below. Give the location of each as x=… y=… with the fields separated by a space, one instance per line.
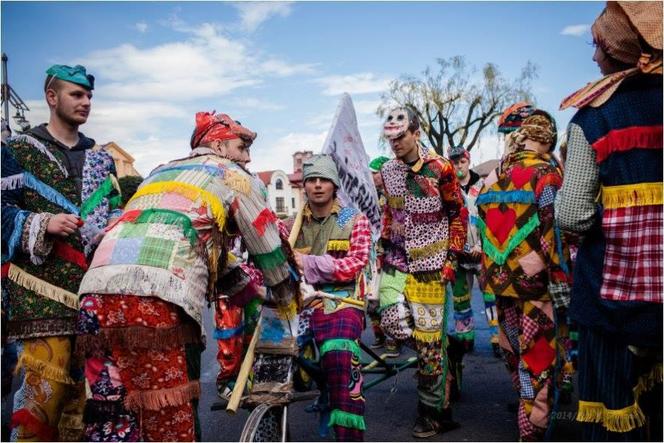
x=293 y=202
x=281 y=207
x=279 y=184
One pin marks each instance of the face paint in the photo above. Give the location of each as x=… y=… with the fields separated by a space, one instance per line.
x=396 y=124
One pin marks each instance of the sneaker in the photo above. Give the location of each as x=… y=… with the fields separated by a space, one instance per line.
x=425 y=427
x=378 y=343
x=392 y=349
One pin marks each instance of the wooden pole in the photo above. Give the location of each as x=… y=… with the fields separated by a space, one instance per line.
x=243 y=375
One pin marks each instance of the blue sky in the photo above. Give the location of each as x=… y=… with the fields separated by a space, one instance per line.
x=279 y=67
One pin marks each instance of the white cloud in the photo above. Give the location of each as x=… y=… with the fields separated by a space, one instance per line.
x=362 y=83
x=366 y=106
x=206 y=64
x=575 y=30
x=141 y=27
x=279 y=155
x=252 y=14
x=256 y=104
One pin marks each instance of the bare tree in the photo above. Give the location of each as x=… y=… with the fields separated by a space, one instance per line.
x=455 y=104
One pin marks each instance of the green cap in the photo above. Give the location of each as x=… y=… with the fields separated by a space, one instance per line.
x=76 y=75
x=377 y=163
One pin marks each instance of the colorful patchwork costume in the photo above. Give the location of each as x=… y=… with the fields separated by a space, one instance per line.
x=41 y=273
x=336 y=253
x=525 y=266
x=141 y=316
x=612 y=194
x=424 y=225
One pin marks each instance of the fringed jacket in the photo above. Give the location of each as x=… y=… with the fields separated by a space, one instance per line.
x=41 y=272
x=424 y=218
x=170 y=242
x=524 y=254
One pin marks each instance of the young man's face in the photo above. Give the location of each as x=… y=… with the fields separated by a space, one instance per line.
x=71 y=103
x=405 y=147
x=378 y=180
x=320 y=191
x=237 y=150
x=462 y=166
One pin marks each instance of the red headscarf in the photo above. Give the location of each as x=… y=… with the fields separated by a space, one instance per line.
x=211 y=126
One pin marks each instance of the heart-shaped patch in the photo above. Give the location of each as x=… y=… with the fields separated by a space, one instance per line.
x=500 y=223
x=521 y=176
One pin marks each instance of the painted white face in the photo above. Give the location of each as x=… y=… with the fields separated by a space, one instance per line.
x=396 y=124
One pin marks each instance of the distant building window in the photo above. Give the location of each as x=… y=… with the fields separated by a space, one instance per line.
x=293 y=202
x=281 y=207
x=279 y=184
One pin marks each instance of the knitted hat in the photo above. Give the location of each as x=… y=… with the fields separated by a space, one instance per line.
x=322 y=166
x=77 y=75
x=377 y=163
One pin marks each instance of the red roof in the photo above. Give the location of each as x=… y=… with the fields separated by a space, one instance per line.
x=265 y=176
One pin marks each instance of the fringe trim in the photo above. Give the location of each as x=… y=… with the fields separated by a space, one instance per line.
x=104 y=190
x=287 y=312
x=347 y=420
x=24 y=138
x=627 y=418
x=340 y=344
x=270 y=260
x=550 y=179
x=40 y=287
x=43 y=369
x=498 y=256
x=427 y=336
x=627 y=196
x=15 y=237
x=427 y=277
x=188 y=191
x=23 y=417
x=161 y=398
x=520 y=196
x=429 y=250
x=11 y=182
x=138 y=337
x=47 y=192
x=237 y=182
x=338 y=245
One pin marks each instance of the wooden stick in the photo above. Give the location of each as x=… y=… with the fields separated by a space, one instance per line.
x=243 y=375
x=350 y=301
x=297 y=225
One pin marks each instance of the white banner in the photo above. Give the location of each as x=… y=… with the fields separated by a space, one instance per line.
x=345 y=146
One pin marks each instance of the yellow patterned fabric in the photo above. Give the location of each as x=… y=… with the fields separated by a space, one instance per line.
x=627 y=196
x=431 y=292
x=51 y=402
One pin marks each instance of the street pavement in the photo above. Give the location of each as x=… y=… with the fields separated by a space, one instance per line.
x=391 y=406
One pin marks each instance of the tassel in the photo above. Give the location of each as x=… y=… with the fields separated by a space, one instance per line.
x=12 y=182
x=43 y=369
x=45 y=289
x=47 y=192
x=264 y=218
x=161 y=398
x=237 y=182
x=347 y=420
x=24 y=138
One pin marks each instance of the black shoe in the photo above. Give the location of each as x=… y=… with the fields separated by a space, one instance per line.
x=496 y=350
x=425 y=427
x=445 y=421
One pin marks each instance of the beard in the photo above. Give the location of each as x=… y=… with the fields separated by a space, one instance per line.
x=72 y=119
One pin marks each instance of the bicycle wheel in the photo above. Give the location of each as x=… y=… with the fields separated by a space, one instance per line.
x=266 y=423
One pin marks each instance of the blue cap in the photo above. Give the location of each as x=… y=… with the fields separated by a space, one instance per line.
x=76 y=75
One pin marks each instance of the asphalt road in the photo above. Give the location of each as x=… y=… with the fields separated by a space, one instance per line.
x=391 y=406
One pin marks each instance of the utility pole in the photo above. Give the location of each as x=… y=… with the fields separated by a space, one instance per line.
x=9 y=96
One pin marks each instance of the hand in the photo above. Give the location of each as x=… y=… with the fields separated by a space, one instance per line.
x=299 y=261
x=63 y=224
x=476 y=252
